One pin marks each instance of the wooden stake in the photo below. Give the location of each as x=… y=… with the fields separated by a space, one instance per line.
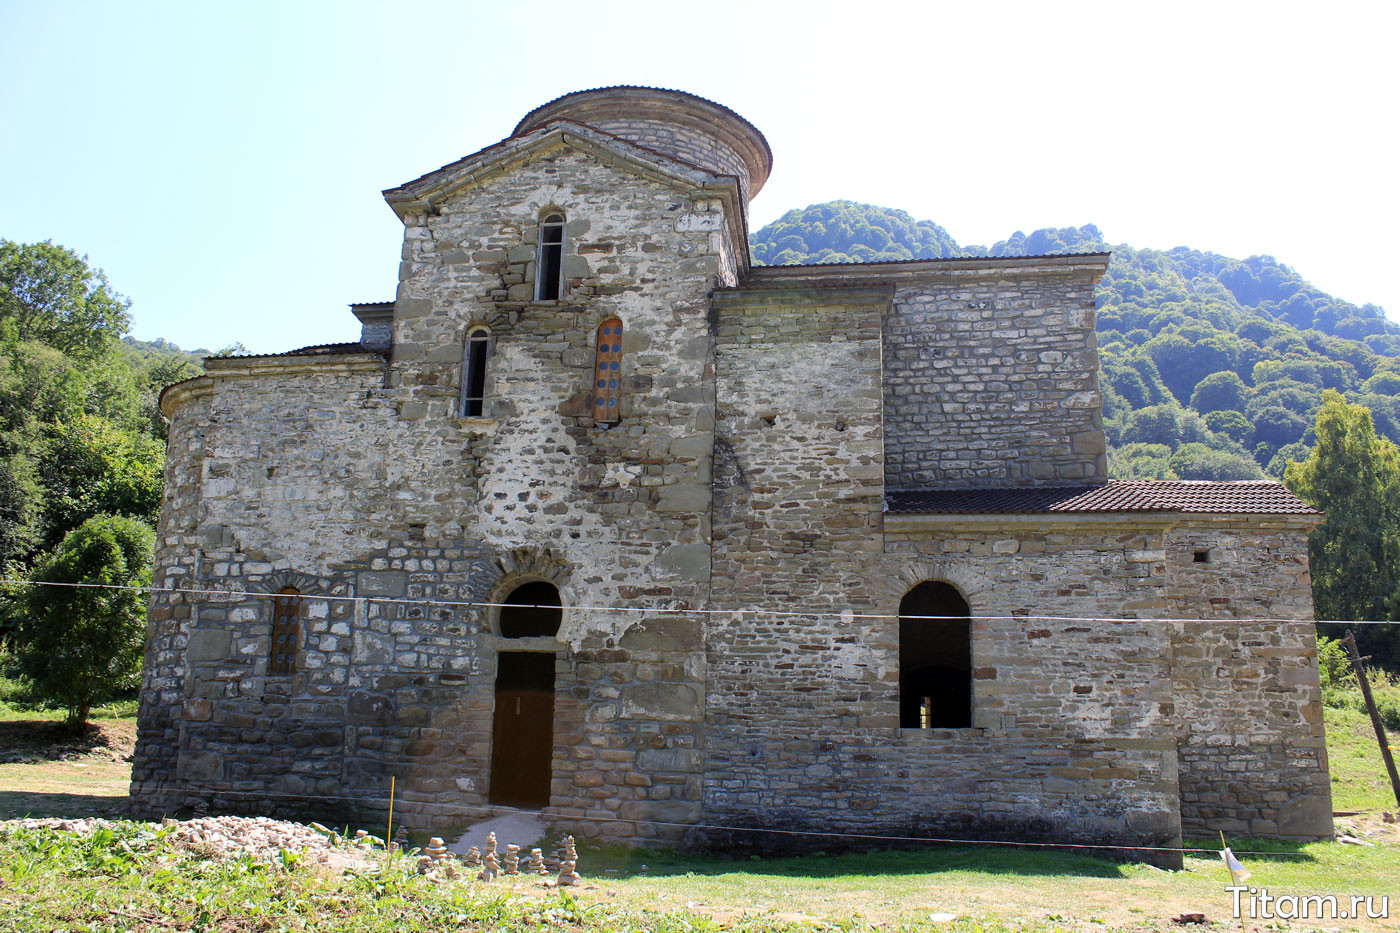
x=389 y=830
x=1223 y=847
x=1357 y=663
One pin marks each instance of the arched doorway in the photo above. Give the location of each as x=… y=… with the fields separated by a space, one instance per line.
x=522 y=733
x=935 y=658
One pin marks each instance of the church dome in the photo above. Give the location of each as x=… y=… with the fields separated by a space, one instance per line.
x=682 y=125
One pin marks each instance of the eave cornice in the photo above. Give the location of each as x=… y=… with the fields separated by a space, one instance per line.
x=221 y=369
x=943 y=522
x=1090 y=266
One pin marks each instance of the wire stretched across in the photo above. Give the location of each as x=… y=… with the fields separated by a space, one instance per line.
x=681 y=610
x=719 y=827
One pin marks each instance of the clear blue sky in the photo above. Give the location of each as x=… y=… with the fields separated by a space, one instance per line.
x=223 y=161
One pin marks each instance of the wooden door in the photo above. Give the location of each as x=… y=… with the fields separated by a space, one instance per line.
x=522 y=734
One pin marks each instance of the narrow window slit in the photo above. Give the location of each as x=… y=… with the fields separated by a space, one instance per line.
x=549 y=270
x=474 y=372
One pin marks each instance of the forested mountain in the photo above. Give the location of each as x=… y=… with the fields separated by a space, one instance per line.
x=1212 y=367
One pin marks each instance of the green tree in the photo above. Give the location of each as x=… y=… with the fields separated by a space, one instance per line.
x=1382 y=383
x=1140 y=461
x=1183 y=363
x=21 y=504
x=1353 y=476
x=91 y=466
x=49 y=293
x=1222 y=391
x=77 y=645
x=1197 y=461
x=1278 y=427
x=1156 y=424
x=1231 y=424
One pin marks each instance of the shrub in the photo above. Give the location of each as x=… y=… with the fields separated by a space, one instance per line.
x=79 y=644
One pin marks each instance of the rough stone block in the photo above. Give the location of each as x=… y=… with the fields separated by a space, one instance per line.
x=391 y=583
x=1306 y=817
x=209 y=645
x=198 y=767
x=683 y=561
x=660 y=703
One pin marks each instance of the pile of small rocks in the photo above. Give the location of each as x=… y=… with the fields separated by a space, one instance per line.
x=259 y=837
x=267 y=840
x=263 y=838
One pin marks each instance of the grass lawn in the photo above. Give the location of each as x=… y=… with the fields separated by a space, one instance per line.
x=1359 y=780
x=54 y=881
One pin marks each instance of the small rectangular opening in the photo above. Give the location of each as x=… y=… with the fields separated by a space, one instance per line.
x=1200 y=556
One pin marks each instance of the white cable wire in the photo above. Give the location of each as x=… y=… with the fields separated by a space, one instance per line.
x=678 y=610
x=213 y=790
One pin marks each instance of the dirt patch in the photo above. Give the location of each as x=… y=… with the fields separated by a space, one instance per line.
x=1376 y=827
x=47 y=771
x=31 y=741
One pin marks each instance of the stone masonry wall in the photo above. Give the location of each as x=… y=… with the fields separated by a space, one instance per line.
x=759 y=430
x=1249 y=711
x=992 y=380
x=626 y=506
x=275 y=478
x=168 y=618
x=381 y=496
x=802 y=721
x=684 y=143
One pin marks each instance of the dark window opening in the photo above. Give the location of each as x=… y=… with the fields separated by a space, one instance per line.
x=607 y=373
x=532 y=610
x=935 y=659
x=522 y=734
x=286 y=632
x=549 y=270
x=474 y=373
x=1200 y=557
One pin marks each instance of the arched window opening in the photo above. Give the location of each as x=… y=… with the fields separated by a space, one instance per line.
x=549 y=270
x=474 y=372
x=608 y=372
x=935 y=659
x=532 y=610
x=286 y=632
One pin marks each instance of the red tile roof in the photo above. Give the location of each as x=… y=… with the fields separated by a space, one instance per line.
x=1260 y=497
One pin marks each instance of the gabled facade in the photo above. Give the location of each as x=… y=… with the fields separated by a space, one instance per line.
x=598 y=519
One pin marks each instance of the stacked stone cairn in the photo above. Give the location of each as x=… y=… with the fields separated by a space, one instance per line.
x=436 y=857
x=439 y=863
x=568 y=864
x=492 y=867
x=400 y=838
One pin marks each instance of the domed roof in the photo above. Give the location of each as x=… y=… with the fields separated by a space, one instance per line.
x=617 y=109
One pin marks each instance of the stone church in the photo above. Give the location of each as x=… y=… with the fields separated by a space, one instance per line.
x=600 y=519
